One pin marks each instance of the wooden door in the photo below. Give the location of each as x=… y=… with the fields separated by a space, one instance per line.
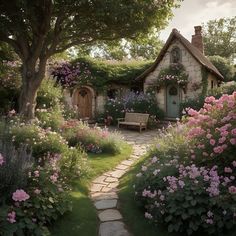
x=84 y=103
x=172 y=101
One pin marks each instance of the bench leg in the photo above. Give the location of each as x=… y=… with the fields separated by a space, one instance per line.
x=140 y=129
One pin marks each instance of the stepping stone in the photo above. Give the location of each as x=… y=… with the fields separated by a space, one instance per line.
x=105 y=204
x=113 y=185
x=111 y=179
x=106 y=189
x=122 y=167
x=115 y=228
x=127 y=162
x=99 y=180
x=118 y=173
x=109 y=215
x=103 y=196
x=96 y=187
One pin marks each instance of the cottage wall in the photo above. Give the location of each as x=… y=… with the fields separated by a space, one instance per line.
x=212 y=81
x=192 y=67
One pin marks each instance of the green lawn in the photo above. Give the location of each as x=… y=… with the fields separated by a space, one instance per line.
x=82 y=221
x=133 y=216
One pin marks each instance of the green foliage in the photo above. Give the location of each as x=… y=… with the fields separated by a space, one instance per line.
x=93 y=140
x=13 y=172
x=197 y=103
x=188 y=181
x=41 y=141
x=104 y=73
x=220 y=37
x=132 y=102
x=9 y=85
x=175 y=73
x=224 y=66
x=144 y=47
x=50 y=95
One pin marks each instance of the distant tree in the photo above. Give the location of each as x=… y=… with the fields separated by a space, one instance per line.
x=224 y=66
x=145 y=47
x=37 y=29
x=220 y=37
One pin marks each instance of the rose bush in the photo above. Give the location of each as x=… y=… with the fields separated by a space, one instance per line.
x=189 y=183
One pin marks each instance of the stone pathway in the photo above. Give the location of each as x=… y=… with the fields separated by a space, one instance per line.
x=104 y=190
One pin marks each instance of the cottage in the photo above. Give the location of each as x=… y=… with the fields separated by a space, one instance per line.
x=180 y=71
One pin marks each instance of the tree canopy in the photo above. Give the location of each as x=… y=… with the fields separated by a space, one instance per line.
x=220 y=37
x=40 y=28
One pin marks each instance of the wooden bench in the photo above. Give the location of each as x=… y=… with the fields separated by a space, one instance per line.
x=134 y=119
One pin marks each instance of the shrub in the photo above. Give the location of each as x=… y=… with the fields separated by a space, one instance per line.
x=95 y=140
x=224 y=66
x=197 y=103
x=189 y=182
x=133 y=102
x=9 y=85
x=41 y=141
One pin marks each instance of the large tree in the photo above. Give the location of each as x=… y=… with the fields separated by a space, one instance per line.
x=220 y=38
x=37 y=29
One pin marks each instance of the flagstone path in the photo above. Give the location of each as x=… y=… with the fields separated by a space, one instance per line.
x=104 y=190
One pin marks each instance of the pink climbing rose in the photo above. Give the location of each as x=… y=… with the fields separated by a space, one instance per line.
x=20 y=195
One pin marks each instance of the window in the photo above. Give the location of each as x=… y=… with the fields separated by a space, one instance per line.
x=173 y=91
x=175 y=56
x=112 y=93
x=212 y=84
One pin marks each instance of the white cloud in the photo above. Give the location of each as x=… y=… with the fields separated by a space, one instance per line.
x=196 y=12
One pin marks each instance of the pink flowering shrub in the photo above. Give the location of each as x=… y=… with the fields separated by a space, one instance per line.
x=33 y=194
x=189 y=183
x=94 y=140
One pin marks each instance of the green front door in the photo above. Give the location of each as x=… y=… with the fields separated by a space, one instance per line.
x=172 y=101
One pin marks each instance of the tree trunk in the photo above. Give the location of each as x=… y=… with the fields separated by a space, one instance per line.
x=31 y=80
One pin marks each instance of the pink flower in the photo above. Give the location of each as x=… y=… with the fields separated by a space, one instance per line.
x=228 y=170
x=37 y=191
x=192 y=112
x=212 y=142
x=210 y=99
x=222 y=139
x=11 y=217
x=20 y=195
x=218 y=149
x=233 y=141
x=233 y=132
x=232 y=189
x=1 y=159
x=144 y=168
x=209 y=136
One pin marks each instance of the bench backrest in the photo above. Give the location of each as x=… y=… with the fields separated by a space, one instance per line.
x=136 y=117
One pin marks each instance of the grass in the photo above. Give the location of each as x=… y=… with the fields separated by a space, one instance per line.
x=82 y=220
x=133 y=216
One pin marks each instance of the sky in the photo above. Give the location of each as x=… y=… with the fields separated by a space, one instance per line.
x=196 y=12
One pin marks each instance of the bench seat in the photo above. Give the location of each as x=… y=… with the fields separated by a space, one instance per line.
x=134 y=119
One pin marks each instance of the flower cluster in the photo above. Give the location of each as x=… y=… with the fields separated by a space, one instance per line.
x=190 y=185
x=174 y=74
x=69 y=75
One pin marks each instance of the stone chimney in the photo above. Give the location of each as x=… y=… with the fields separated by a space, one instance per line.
x=197 y=39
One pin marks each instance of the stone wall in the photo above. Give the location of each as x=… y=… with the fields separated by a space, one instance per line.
x=192 y=67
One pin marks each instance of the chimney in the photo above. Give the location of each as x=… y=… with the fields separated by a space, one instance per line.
x=197 y=39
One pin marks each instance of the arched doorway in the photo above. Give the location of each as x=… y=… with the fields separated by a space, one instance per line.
x=172 y=101
x=83 y=100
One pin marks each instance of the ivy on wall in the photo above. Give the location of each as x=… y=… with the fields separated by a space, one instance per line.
x=98 y=73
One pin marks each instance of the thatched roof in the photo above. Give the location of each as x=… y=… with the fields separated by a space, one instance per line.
x=195 y=52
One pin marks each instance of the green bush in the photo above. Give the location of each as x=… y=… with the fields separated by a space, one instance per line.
x=132 y=102
x=49 y=95
x=188 y=182
x=224 y=66
x=197 y=103
x=95 y=140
